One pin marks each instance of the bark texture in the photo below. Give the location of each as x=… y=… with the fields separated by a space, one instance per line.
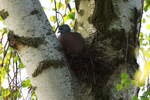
x=110 y=28
x=31 y=35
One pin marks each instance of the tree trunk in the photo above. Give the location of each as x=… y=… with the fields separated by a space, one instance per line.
x=31 y=35
x=111 y=29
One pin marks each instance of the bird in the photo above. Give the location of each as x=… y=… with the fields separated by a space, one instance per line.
x=72 y=42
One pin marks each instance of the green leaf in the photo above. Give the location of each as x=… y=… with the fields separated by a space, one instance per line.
x=148 y=26
x=67 y=1
x=4 y=30
x=66 y=18
x=1 y=97
x=123 y=81
x=6 y=61
x=21 y=65
x=134 y=98
x=5 y=92
x=33 y=97
x=17 y=94
x=143 y=20
x=72 y=24
x=7 y=68
x=124 y=76
x=1 y=51
x=53 y=18
x=141 y=42
x=144 y=98
x=72 y=15
x=44 y=8
x=26 y=83
x=1 y=46
x=133 y=82
x=2 y=74
x=2 y=71
x=147 y=93
x=53 y=27
x=60 y=5
x=127 y=84
x=16 y=59
x=1 y=60
x=8 y=56
x=146 y=53
x=148 y=38
x=51 y=1
x=1 y=19
x=119 y=87
x=146 y=5
x=141 y=34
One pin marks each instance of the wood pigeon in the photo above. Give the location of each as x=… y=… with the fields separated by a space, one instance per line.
x=72 y=42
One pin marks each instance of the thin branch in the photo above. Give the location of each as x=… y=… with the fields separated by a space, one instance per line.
x=2 y=37
x=56 y=13
x=9 y=77
x=5 y=52
x=59 y=22
x=68 y=5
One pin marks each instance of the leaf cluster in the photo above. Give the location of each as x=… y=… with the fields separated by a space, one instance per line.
x=11 y=84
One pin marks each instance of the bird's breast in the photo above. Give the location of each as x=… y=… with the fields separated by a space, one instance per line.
x=72 y=42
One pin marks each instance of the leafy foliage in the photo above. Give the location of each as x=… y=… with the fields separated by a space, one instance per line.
x=26 y=83
x=125 y=82
x=142 y=75
x=11 y=84
x=146 y=5
x=62 y=13
x=143 y=55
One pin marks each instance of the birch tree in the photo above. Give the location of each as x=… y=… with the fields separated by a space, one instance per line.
x=31 y=35
x=111 y=31
x=111 y=28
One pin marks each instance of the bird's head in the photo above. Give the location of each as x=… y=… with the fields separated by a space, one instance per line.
x=64 y=29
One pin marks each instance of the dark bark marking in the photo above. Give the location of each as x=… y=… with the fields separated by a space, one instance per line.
x=34 y=12
x=17 y=42
x=137 y=18
x=47 y=64
x=81 y=12
x=103 y=13
x=4 y=14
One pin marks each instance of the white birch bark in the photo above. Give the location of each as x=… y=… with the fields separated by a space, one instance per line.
x=26 y=19
x=112 y=27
